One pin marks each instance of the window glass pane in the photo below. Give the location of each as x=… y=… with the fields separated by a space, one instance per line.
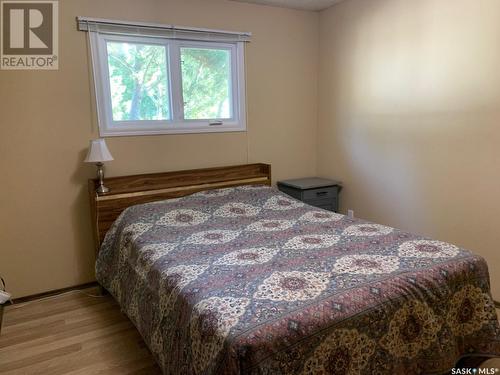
x=138 y=81
x=206 y=78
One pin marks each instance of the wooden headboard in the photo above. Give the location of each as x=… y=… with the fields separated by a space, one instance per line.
x=126 y=191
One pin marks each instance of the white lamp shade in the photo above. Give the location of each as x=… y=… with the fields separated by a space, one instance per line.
x=98 y=152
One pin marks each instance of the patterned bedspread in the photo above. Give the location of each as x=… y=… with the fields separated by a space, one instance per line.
x=247 y=280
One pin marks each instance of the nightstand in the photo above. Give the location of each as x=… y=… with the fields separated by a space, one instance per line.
x=319 y=192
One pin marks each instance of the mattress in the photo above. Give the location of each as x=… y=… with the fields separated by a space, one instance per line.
x=247 y=280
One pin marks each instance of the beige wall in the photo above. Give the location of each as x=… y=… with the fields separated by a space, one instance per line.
x=47 y=121
x=410 y=116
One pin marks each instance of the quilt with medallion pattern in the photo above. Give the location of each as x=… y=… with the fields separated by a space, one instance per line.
x=247 y=280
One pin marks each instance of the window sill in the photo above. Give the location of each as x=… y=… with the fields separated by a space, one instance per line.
x=135 y=132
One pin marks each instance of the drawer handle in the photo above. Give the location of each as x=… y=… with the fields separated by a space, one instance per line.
x=321 y=193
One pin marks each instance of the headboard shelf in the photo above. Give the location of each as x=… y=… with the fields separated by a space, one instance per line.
x=126 y=191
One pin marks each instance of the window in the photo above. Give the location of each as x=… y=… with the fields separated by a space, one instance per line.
x=155 y=85
x=138 y=81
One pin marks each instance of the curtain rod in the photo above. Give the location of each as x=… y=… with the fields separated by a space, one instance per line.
x=83 y=23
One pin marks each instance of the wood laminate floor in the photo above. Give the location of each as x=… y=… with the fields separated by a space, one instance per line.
x=72 y=334
x=76 y=334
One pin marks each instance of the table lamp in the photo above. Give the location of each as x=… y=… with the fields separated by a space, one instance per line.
x=99 y=153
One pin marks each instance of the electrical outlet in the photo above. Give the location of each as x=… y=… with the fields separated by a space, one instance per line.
x=350 y=214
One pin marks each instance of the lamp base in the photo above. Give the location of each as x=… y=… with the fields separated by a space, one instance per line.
x=102 y=189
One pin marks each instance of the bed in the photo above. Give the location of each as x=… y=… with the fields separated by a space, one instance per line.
x=231 y=276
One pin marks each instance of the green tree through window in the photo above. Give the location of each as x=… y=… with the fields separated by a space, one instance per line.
x=140 y=89
x=206 y=83
x=138 y=81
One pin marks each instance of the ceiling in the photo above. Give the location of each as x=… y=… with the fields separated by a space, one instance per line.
x=296 y=4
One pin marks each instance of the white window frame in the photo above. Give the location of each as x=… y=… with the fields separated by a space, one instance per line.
x=177 y=124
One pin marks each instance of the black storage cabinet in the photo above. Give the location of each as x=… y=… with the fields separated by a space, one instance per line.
x=318 y=192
